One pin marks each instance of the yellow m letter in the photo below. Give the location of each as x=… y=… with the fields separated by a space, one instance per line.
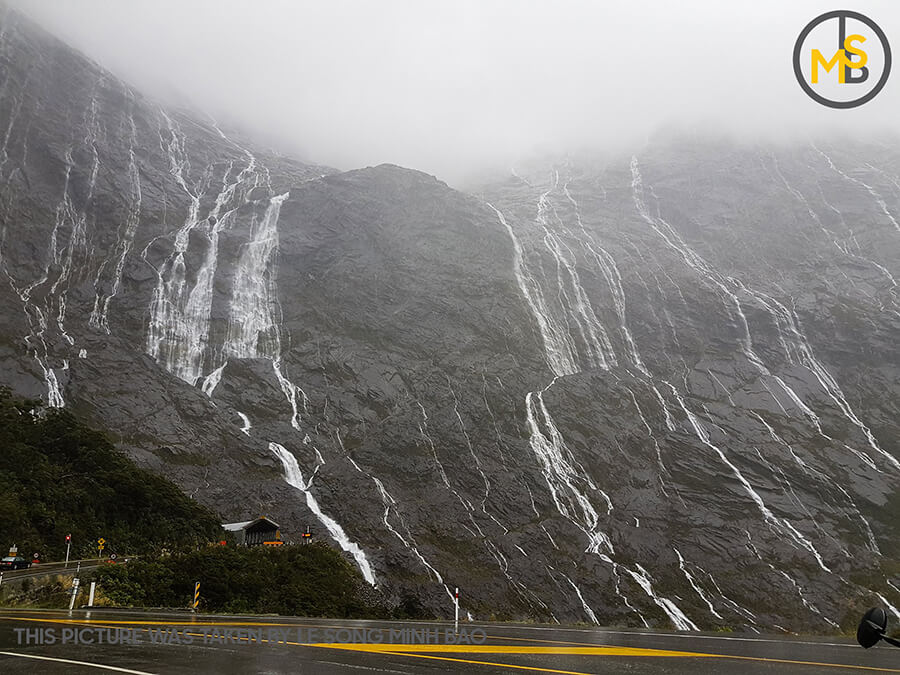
x=838 y=58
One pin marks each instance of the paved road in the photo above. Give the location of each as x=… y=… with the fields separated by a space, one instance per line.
x=181 y=644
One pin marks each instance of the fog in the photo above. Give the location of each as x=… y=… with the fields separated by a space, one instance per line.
x=461 y=86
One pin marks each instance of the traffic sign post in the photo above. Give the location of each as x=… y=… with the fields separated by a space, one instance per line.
x=101 y=544
x=196 y=602
x=456 y=610
x=68 y=548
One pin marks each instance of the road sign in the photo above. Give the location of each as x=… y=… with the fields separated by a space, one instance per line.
x=101 y=541
x=112 y=556
x=196 y=596
x=68 y=538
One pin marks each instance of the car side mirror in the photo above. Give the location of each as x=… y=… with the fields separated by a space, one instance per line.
x=873 y=628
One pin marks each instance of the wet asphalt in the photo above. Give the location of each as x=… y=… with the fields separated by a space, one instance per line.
x=155 y=642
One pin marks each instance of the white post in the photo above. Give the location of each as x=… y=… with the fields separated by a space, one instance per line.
x=75 y=583
x=1 y=578
x=91 y=597
x=68 y=547
x=456 y=610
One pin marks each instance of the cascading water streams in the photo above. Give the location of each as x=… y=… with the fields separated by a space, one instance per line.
x=797 y=348
x=779 y=524
x=45 y=299
x=868 y=188
x=797 y=352
x=254 y=325
x=178 y=333
x=587 y=608
x=125 y=240
x=845 y=244
x=254 y=321
x=677 y=617
x=390 y=503
x=467 y=505
x=567 y=481
x=558 y=348
x=294 y=477
x=591 y=342
x=683 y=353
x=169 y=328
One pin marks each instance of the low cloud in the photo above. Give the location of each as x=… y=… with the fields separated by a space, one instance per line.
x=458 y=87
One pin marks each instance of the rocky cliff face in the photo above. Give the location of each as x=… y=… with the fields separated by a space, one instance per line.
x=657 y=390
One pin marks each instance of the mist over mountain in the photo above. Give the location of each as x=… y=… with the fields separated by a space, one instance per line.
x=470 y=87
x=649 y=388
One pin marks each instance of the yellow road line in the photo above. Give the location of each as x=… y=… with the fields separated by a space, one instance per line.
x=806 y=663
x=488 y=663
x=506 y=649
x=549 y=642
x=421 y=650
x=572 y=672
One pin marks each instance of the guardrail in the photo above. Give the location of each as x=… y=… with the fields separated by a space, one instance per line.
x=60 y=568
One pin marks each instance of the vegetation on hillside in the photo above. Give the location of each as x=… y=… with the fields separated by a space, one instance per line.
x=59 y=477
x=309 y=580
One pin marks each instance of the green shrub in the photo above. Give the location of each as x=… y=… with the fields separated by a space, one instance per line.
x=309 y=580
x=58 y=476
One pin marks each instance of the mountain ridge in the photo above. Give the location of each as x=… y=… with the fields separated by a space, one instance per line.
x=654 y=390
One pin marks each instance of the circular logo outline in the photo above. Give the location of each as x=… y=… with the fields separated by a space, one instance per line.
x=835 y=14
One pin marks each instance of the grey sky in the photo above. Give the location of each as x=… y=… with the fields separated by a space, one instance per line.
x=460 y=85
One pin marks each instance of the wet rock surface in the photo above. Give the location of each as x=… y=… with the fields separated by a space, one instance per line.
x=655 y=390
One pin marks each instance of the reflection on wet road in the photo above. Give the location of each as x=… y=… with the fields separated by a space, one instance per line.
x=141 y=643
